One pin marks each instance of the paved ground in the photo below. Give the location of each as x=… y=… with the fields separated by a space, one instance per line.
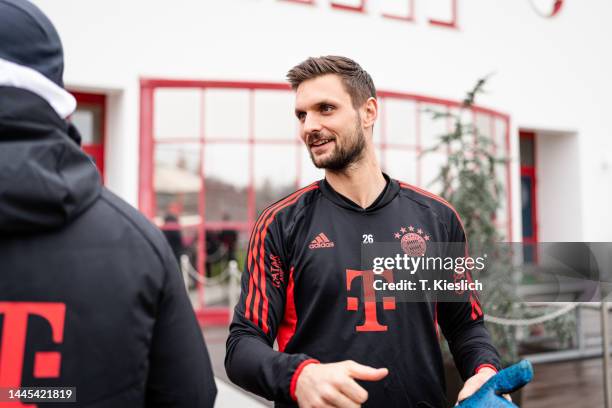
x=229 y=396
x=573 y=384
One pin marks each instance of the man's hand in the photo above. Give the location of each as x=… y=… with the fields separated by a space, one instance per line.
x=476 y=381
x=334 y=385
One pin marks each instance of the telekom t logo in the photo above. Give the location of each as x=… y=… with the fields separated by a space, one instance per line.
x=369 y=298
x=12 y=350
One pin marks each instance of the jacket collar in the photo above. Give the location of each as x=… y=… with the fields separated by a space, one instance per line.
x=386 y=196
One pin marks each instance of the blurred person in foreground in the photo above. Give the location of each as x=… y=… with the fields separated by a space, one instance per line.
x=90 y=293
x=303 y=286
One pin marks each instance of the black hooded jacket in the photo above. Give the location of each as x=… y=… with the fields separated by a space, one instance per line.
x=90 y=293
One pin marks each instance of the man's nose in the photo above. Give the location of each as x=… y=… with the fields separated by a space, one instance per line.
x=311 y=124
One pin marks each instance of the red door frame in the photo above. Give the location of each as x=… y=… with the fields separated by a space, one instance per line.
x=530 y=171
x=147 y=201
x=95 y=150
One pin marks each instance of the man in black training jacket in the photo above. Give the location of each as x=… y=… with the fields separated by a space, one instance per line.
x=304 y=288
x=90 y=293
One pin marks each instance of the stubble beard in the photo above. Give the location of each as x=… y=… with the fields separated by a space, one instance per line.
x=343 y=157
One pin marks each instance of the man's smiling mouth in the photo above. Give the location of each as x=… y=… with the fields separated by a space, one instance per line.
x=320 y=142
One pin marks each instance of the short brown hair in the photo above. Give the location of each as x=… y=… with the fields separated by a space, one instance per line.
x=357 y=82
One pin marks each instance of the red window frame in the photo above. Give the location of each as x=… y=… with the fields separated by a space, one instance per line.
x=147 y=201
x=408 y=17
x=96 y=151
x=452 y=23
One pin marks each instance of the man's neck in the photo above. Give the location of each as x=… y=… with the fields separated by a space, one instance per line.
x=361 y=182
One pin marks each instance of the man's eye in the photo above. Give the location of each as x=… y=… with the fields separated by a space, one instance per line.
x=301 y=116
x=326 y=108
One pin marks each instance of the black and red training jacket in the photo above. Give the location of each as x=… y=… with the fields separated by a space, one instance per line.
x=304 y=288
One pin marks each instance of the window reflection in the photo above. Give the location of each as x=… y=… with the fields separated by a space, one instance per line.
x=88 y=120
x=223 y=246
x=177 y=113
x=400 y=122
x=177 y=181
x=274 y=116
x=226 y=172
x=275 y=173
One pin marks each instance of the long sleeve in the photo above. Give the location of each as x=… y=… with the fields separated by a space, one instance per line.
x=180 y=373
x=462 y=322
x=250 y=360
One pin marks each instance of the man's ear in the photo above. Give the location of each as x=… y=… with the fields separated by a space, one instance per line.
x=369 y=112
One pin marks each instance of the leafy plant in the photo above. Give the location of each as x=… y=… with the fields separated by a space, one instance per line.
x=469 y=182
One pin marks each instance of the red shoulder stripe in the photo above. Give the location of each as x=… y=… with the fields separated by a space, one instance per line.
x=262 y=253
x=256 y=254
x=253 y=246
x=431 y=195
x=443 y=201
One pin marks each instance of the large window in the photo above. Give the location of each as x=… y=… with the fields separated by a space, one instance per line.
x=215 y=154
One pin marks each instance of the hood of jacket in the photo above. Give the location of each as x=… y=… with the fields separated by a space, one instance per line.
x=46 y=180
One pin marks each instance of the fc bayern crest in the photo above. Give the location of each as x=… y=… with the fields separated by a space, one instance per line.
x=413 y=240
x=546 y=8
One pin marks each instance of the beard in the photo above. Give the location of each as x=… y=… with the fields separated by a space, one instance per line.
x=342 y=156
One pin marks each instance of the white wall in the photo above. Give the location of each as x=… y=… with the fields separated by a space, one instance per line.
x=550 y=73
x=558 y=186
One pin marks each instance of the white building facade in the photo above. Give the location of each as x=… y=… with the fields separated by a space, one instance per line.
x=181 y=110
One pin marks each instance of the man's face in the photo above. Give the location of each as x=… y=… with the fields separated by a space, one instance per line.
x=329 y=124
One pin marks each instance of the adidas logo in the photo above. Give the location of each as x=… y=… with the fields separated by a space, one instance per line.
x=321 y=241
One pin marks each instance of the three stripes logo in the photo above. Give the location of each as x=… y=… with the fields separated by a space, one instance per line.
x=321 y=241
